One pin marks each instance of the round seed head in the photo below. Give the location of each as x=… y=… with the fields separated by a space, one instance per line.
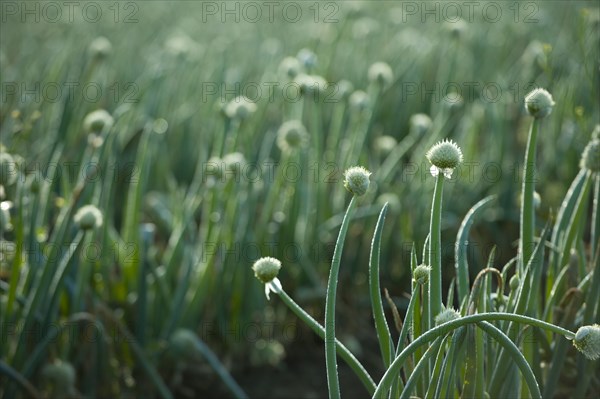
x=8 y=169
x=266 y=269
x=420 y=123
x=381 y=74
x=453 y=101
x=356 y=180
x=311 y=84
x=421 y=274
x=539 y=103
x=445 y=154
x=457 y=28
x=100 y=47
x=359 y=101
x=344 y=89
x=290 y=67
x=97 y=121
x=384 y=144
x=292 y=135
x=307 y=58
x=181 y=45
x=590 y=159
x=392 y=200
x=88 y=217
x=234 y=162
x=446 y=315
x=183 y=343
x=240 y=108
x=587 y=341
x=61 y=376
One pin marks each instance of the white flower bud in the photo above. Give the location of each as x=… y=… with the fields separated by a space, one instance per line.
x=88 y=217
x=587 y=341
x=97 y=121
x=240 y=108
x=381 y=73
x=539 y=103
x=291 y=136
x=590 y=159
x=421 y=274
x=446 y=315
x=100 y=47
x=356 y=180
x=444 y=156
x=266 y=269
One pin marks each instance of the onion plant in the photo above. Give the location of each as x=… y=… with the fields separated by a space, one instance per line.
x=494 y=344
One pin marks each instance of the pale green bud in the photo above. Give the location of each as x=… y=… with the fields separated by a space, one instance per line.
x=421 y=274
x=97 y=121
x=590 y=159
x=240 y=108
x=446 y=316
x=266 y=269
x=420 y=123
x=61 y=376
x=88 y=217
x=539 y=103
x=291 y=136
x=381 y=74
x=100 y=47
x=359 y=101
x=587 y=341
x=290 y=67
x=444 y=156
x=356 y=180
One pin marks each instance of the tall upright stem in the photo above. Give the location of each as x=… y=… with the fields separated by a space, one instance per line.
x=526 y=243
x=333 y=382
x=435 y=251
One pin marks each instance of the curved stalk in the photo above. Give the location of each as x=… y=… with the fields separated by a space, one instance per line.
x=383 y=332
x=344 y=353
x=397 y=364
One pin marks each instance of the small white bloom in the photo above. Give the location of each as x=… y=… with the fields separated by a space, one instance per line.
x=240 y=108
x=435 y=171
x=88 y=217
x=356 y=180
x=539 y=103
x=444 y=157
x=273 y=286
